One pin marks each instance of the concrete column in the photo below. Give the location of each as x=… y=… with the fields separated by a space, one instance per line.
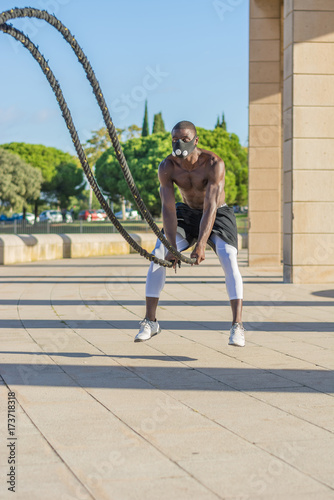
x=308 y=141
x=265 y=117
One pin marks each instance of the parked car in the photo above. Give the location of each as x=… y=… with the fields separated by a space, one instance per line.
x=101 y=214
x=68 y=217
x=88 y=215
x=51 y=215
x=129 y=214
x=30 y=218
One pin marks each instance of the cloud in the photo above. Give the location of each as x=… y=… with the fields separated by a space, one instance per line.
x=13 y=116
x=44 y=115
x=9 y=116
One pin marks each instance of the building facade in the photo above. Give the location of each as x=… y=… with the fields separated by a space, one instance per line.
x=291 y=138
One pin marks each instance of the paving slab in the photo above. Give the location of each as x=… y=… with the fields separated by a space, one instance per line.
x=185 y=414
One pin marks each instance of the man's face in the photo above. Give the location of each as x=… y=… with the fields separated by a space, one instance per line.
x=185 y=134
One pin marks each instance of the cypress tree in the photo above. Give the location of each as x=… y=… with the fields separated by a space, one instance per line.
x=223 y=123
x=156 y=127
x=158 y=124
x=145 y=130
x=162 y=123
x=218 y=122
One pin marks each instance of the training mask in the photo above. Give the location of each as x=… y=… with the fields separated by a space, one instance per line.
x=183 y=149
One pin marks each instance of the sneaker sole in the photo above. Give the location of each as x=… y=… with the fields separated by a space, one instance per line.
x=236 y=345
x=145 y=340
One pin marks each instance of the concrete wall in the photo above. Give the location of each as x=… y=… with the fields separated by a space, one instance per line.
x=265 y=68
x=16 y=249
x=308 y=146
x=29 y=248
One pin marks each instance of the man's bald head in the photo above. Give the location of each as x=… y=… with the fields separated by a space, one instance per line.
x=185 y=125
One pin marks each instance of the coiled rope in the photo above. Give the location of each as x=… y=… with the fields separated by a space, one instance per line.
x=53 y=21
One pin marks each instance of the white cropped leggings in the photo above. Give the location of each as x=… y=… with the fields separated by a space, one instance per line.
x=226 y=253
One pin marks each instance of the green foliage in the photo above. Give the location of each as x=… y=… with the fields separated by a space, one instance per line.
x=42 y=157
x=227 y=147
x=62 y=173
x=144 y=155
x=133 y=131
x=80 y=202
x=20 y=183
x=68 y=181
x=97 y=144
x=145 y=129
x=221 y=124
x=158 y=124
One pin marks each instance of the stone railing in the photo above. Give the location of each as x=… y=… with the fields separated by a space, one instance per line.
x=15 y=249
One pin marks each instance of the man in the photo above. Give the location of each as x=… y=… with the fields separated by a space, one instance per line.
x=204 y=217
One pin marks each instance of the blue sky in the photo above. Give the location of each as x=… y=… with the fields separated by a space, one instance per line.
x=189 y=58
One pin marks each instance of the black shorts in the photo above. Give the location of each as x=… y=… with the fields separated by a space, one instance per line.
x=225 y=225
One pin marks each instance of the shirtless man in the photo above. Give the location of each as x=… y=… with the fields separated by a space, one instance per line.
x=203 y=217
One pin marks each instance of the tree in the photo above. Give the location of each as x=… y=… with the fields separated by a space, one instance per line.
x=45 y=158
x=96 y=145
x=68 y=181
x=50 y=162
x=145 y=129
x=228 y=147
x=133 y=131
x=80 y=202
x=143 y=155
x=223 y=123
x=20 y=183
x=158 y=124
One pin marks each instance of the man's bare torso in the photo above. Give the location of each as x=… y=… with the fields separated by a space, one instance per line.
x=192 y=183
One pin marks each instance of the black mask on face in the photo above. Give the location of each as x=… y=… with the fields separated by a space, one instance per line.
x=183 y=149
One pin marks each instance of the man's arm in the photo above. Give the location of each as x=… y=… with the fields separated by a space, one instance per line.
x=212 y=198
x=167 y=196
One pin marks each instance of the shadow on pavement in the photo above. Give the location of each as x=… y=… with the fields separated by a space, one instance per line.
x=169 y=378
x=89 y=355
x=325 y=293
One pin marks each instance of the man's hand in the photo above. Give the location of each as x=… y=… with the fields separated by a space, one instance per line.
x=170 y=257
x=198 y=253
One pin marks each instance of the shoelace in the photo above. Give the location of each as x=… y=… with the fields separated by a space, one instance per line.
x=238 y=325
x=146 y=321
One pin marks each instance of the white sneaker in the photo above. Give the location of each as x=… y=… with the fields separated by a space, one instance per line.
x=237 y=335
x=147 y=330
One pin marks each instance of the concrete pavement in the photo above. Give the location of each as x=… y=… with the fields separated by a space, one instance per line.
x=183 y=416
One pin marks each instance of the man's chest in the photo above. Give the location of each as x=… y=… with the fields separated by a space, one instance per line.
x=195 y=180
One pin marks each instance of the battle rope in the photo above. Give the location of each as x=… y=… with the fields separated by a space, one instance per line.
x=53 y=21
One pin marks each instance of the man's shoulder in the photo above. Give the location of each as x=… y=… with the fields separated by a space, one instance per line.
x=165 y=170
x=211 y=158
x=167 y=163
